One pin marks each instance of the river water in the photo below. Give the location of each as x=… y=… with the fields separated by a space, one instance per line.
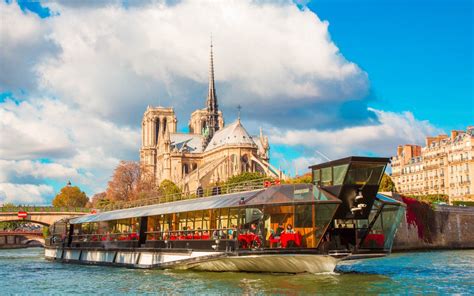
x=25 y=271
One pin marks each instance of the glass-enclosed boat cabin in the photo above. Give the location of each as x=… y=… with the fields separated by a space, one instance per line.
x=365 y=220
x=339 y=211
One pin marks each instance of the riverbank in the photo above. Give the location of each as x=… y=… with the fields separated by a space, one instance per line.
x=434 y=227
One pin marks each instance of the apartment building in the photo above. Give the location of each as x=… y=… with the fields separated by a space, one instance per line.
x=444 y=166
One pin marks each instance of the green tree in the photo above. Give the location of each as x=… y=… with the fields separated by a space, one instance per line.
x=70 y=196
x=169 y=189
x=246 y=176
x=386 y=185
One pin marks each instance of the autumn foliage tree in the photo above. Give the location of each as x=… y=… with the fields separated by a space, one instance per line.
x=125 y=182
x=70 y=196
x=99 y=200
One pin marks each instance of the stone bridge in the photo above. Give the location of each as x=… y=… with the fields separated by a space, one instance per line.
x=21 y=239
x=40 y=215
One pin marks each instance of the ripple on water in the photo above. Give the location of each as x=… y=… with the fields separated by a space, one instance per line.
x=24 y=271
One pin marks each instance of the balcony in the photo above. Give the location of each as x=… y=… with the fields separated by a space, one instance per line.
x=432 y=166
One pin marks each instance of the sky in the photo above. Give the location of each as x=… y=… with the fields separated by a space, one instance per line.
x=324 y=79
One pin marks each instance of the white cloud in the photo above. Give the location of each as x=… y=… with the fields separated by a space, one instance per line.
x=81 y=147
x=24 y=42
x=24 y=193
x=380 y=137
x=10 y=169
x=113 y=60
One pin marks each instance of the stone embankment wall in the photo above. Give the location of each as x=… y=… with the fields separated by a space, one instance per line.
x=427 y=227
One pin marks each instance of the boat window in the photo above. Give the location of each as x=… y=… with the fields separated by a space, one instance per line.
x=233 y=217
x=182 y=220
x=224 y=218
x=167 y=222
x=191 y=216
x=365 y=174
x=326 y=176
x=206 y=220
x=303 y=215
x=339 y=173
x=324 y=214
x=316 y=176
x=214 y=223
x=153 y=223
x=198 y=220
x=391 y=216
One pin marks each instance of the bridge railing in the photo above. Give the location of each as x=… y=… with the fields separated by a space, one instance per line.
x=200 y=193
x=32 y=209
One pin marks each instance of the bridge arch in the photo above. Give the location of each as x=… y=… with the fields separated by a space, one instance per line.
x=27 y=221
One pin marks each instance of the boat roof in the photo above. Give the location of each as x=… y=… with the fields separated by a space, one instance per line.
x=281 y=194
x=351 y=159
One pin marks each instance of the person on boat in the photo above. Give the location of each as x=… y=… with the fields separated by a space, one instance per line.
x=278 y=231
x=253 y=228
x=289 y=229
x=230 y=232
x=223 y=233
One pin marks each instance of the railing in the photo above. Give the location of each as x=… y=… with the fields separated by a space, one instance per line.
x=20 y=232
x=97 y=237
x=216 y=190
x=43 y=209
x=198 y=234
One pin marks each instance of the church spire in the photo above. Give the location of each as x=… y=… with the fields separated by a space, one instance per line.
x=212 y=107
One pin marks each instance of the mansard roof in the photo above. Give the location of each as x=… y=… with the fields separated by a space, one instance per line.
x=233 y=134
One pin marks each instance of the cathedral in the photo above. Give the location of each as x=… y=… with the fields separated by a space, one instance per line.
x=208 y=154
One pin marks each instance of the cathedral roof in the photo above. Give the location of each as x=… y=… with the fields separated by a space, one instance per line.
x=233 y=134
x=191 y=143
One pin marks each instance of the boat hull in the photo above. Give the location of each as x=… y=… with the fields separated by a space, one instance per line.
x=285 y=263
x=197 y=260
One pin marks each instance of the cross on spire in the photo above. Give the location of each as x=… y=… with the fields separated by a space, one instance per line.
x=239 y=108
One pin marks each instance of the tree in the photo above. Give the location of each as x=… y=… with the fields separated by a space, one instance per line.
x=125 y=182
x=99 y=200
x=306 y=178
x=167 y=187
x=386 y=185
x=70 y=196
x=246 y=176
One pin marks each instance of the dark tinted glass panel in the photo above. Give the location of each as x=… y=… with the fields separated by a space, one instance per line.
x=326 y=176
x=391 y=216
x=362 y=174
x=303 y=216
x=339 y=173
x=324 y=214
x=316 y=176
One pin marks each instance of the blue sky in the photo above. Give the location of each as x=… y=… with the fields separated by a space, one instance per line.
x=328 y=78
x=418 y=54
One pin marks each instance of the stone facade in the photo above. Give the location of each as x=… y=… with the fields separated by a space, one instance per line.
x=210 y=153
x=444 y=166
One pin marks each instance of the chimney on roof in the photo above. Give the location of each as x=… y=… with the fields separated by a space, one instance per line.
x=399 y=150
x=455 y=133
x=430 y=140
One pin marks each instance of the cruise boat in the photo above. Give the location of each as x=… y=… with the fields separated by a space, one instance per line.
x=259 y=226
